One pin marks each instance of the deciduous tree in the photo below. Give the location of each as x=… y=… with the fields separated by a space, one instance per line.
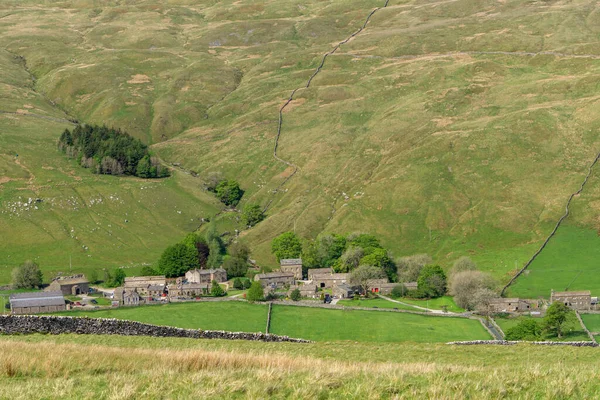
x=363 y=274
x=27 y=276
x=286 y=245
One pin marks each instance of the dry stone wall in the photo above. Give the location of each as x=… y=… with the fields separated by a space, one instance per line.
x=55 y=325
x=513 y=342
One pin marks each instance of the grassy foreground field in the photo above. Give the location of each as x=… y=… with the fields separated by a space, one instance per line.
x=303 y=322
x=591 y=321
x=103 y=367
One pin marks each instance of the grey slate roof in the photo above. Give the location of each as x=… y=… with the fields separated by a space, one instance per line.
x=291 y=261
x=37 y=299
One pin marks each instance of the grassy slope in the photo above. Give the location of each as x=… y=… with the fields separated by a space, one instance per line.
x=153 y=368
x=375 y=303
x=451 y=155
x=308 y=323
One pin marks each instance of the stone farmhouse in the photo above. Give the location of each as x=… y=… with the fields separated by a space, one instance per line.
x=126 y=297
x=37 y=302
x=188 y=289
x=275 y=279
x=579 y=300
x=510 y=305
x=306 y=290
x=206 y=275
x=382 y=286
x=291 y=266
x=70 y=285
x=146 y=286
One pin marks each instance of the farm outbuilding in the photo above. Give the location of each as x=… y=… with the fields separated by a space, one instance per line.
x=37 y=302
x=70 y=285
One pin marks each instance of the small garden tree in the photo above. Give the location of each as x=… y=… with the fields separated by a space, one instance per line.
x=465 y=284
x=216 y=289
x=238 y=284
x=118 y=277
x=363 y=274
x=255 y=293
x=247 y=283
x=93 y=276
x=295 y=295
x=235 y=267
x=410 y=267
x=432 y=281
x=27 y=276
x=555 y=318
x=286 y=245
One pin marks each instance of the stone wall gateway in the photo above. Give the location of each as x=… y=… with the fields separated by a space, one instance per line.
x=56 y=325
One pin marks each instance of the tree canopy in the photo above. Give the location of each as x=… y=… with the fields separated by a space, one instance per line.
x=555 y=318
x=362 y=275
x=229 y=192
x=176 y=260
x=252 y=214
x=286 y=245
x=255 y=293
x=110 y=151
x=27 y=276
x=432 y=281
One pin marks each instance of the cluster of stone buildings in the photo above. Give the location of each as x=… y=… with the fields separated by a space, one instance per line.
x=578 y=300
x=151 y=289
x=290 y=276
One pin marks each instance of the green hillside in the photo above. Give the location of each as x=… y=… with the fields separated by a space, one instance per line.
x=451 y=128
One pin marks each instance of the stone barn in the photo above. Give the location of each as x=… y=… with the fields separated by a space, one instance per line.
x=500 y=305
x=579 y=300
x=70 y=285
x=291 y=266
x=37 y=302
x=325 y=281
x=127 y=297
x=188 y=289
x=313 y=273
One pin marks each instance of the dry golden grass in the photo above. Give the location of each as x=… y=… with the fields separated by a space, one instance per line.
x=130 y=368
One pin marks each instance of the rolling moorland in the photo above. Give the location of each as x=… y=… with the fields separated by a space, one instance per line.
x=452 y=128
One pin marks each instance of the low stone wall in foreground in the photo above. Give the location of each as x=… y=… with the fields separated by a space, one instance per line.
x=56 y=325
x=513 y=342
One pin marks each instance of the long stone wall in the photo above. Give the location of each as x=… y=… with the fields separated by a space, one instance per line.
x=55 y=325
x=513 y=342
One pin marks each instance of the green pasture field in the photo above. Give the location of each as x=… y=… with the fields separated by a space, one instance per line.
x=233 y=316
x=377 y=303
x=591 y=321
x=435 y=304
x=371 y=326
x=304 y=322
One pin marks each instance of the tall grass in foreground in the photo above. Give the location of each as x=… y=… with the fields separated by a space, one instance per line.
x=65 y=370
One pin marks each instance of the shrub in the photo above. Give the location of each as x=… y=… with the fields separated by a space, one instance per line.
x=247 y=283
x=255 y=293
x=237 y=284
x=252 y=214
x=148 y=271
x=527 y=329
x=229 y=192
x=399 y=290
x=409 y=268
x=216 y=289
x=27 y=276
x=295 y=295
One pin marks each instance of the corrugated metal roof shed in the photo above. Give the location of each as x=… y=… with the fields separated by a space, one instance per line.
x=37 y=299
